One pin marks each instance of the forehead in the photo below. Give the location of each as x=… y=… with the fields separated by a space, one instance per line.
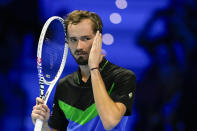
x=83 y=28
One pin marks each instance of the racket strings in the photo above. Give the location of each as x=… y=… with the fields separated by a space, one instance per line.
x=53 y=50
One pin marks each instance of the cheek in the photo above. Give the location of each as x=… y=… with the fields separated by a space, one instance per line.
x=90 y=45
x=89 y=48
x=71 y=48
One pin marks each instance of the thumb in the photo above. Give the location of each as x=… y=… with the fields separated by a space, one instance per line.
x=102 y=55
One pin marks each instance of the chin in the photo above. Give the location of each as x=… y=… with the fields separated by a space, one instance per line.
x=82 y=61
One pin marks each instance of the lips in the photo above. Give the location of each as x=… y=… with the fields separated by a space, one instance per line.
x=80 y=53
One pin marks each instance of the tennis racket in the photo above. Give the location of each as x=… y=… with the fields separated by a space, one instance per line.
x=51 y=58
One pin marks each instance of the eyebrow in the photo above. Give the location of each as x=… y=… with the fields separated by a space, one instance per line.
x=80 y=36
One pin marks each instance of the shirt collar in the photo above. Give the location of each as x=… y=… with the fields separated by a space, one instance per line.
x=102 y=65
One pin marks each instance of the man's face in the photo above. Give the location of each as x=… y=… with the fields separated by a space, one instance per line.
x=80 y=39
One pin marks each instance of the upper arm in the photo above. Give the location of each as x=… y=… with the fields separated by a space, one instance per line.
x=124 y=91
x=121 y=107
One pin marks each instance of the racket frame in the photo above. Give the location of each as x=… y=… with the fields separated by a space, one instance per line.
x=42 y=81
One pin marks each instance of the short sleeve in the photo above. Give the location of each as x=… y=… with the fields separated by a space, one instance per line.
x=57 y=118
x=124 y=89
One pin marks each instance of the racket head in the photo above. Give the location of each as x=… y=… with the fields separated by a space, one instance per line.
x=52 y=50
x=51 y=57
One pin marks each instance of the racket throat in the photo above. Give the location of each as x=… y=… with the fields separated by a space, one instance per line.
x=42 y=91
x=41 y=82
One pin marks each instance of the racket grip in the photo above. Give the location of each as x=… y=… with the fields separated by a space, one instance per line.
x=38 y=125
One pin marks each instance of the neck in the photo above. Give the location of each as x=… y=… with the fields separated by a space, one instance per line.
x=85 y=72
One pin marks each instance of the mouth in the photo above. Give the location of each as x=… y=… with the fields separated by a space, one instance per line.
x=80 y=53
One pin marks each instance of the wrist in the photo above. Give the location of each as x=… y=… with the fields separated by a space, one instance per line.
x=45 y=126
x=94 y=68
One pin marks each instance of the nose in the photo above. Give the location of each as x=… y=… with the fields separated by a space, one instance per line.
x=80 y=44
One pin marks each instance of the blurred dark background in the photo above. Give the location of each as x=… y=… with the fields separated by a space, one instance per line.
x=157 y=39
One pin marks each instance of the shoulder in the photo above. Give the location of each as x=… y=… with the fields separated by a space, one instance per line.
x=68 y=79
x=64 y=84
x=119 y=72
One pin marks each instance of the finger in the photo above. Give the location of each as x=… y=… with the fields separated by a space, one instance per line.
x=95 y=36
x=95 y=40
x=42 y=113
x=102 y=55
x=39 y=101
x=36 y=115
x=100 y=40
x=46 y=108
x=97 y=43
x=34 y=107
x=40 y=107
x=37 y=107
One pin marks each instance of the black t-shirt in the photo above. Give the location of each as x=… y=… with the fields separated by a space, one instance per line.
x=74 y=101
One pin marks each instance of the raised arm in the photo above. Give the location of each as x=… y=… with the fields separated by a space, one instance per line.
x=109 y=111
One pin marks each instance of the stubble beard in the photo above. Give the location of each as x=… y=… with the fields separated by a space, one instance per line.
x=80 y=60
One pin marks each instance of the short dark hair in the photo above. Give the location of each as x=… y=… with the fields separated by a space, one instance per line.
x=78 y=15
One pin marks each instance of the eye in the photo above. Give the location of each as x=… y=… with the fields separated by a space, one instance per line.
x=85 y=38
x=73 y=40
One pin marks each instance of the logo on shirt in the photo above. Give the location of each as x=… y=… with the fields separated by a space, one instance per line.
x=130 y=95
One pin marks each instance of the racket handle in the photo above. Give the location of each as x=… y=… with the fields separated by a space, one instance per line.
x=38 y=125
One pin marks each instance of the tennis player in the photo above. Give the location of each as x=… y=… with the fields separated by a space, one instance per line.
x=99 y=95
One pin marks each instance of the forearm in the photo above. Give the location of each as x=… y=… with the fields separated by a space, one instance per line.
x=108 y=110
x=46 y=127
